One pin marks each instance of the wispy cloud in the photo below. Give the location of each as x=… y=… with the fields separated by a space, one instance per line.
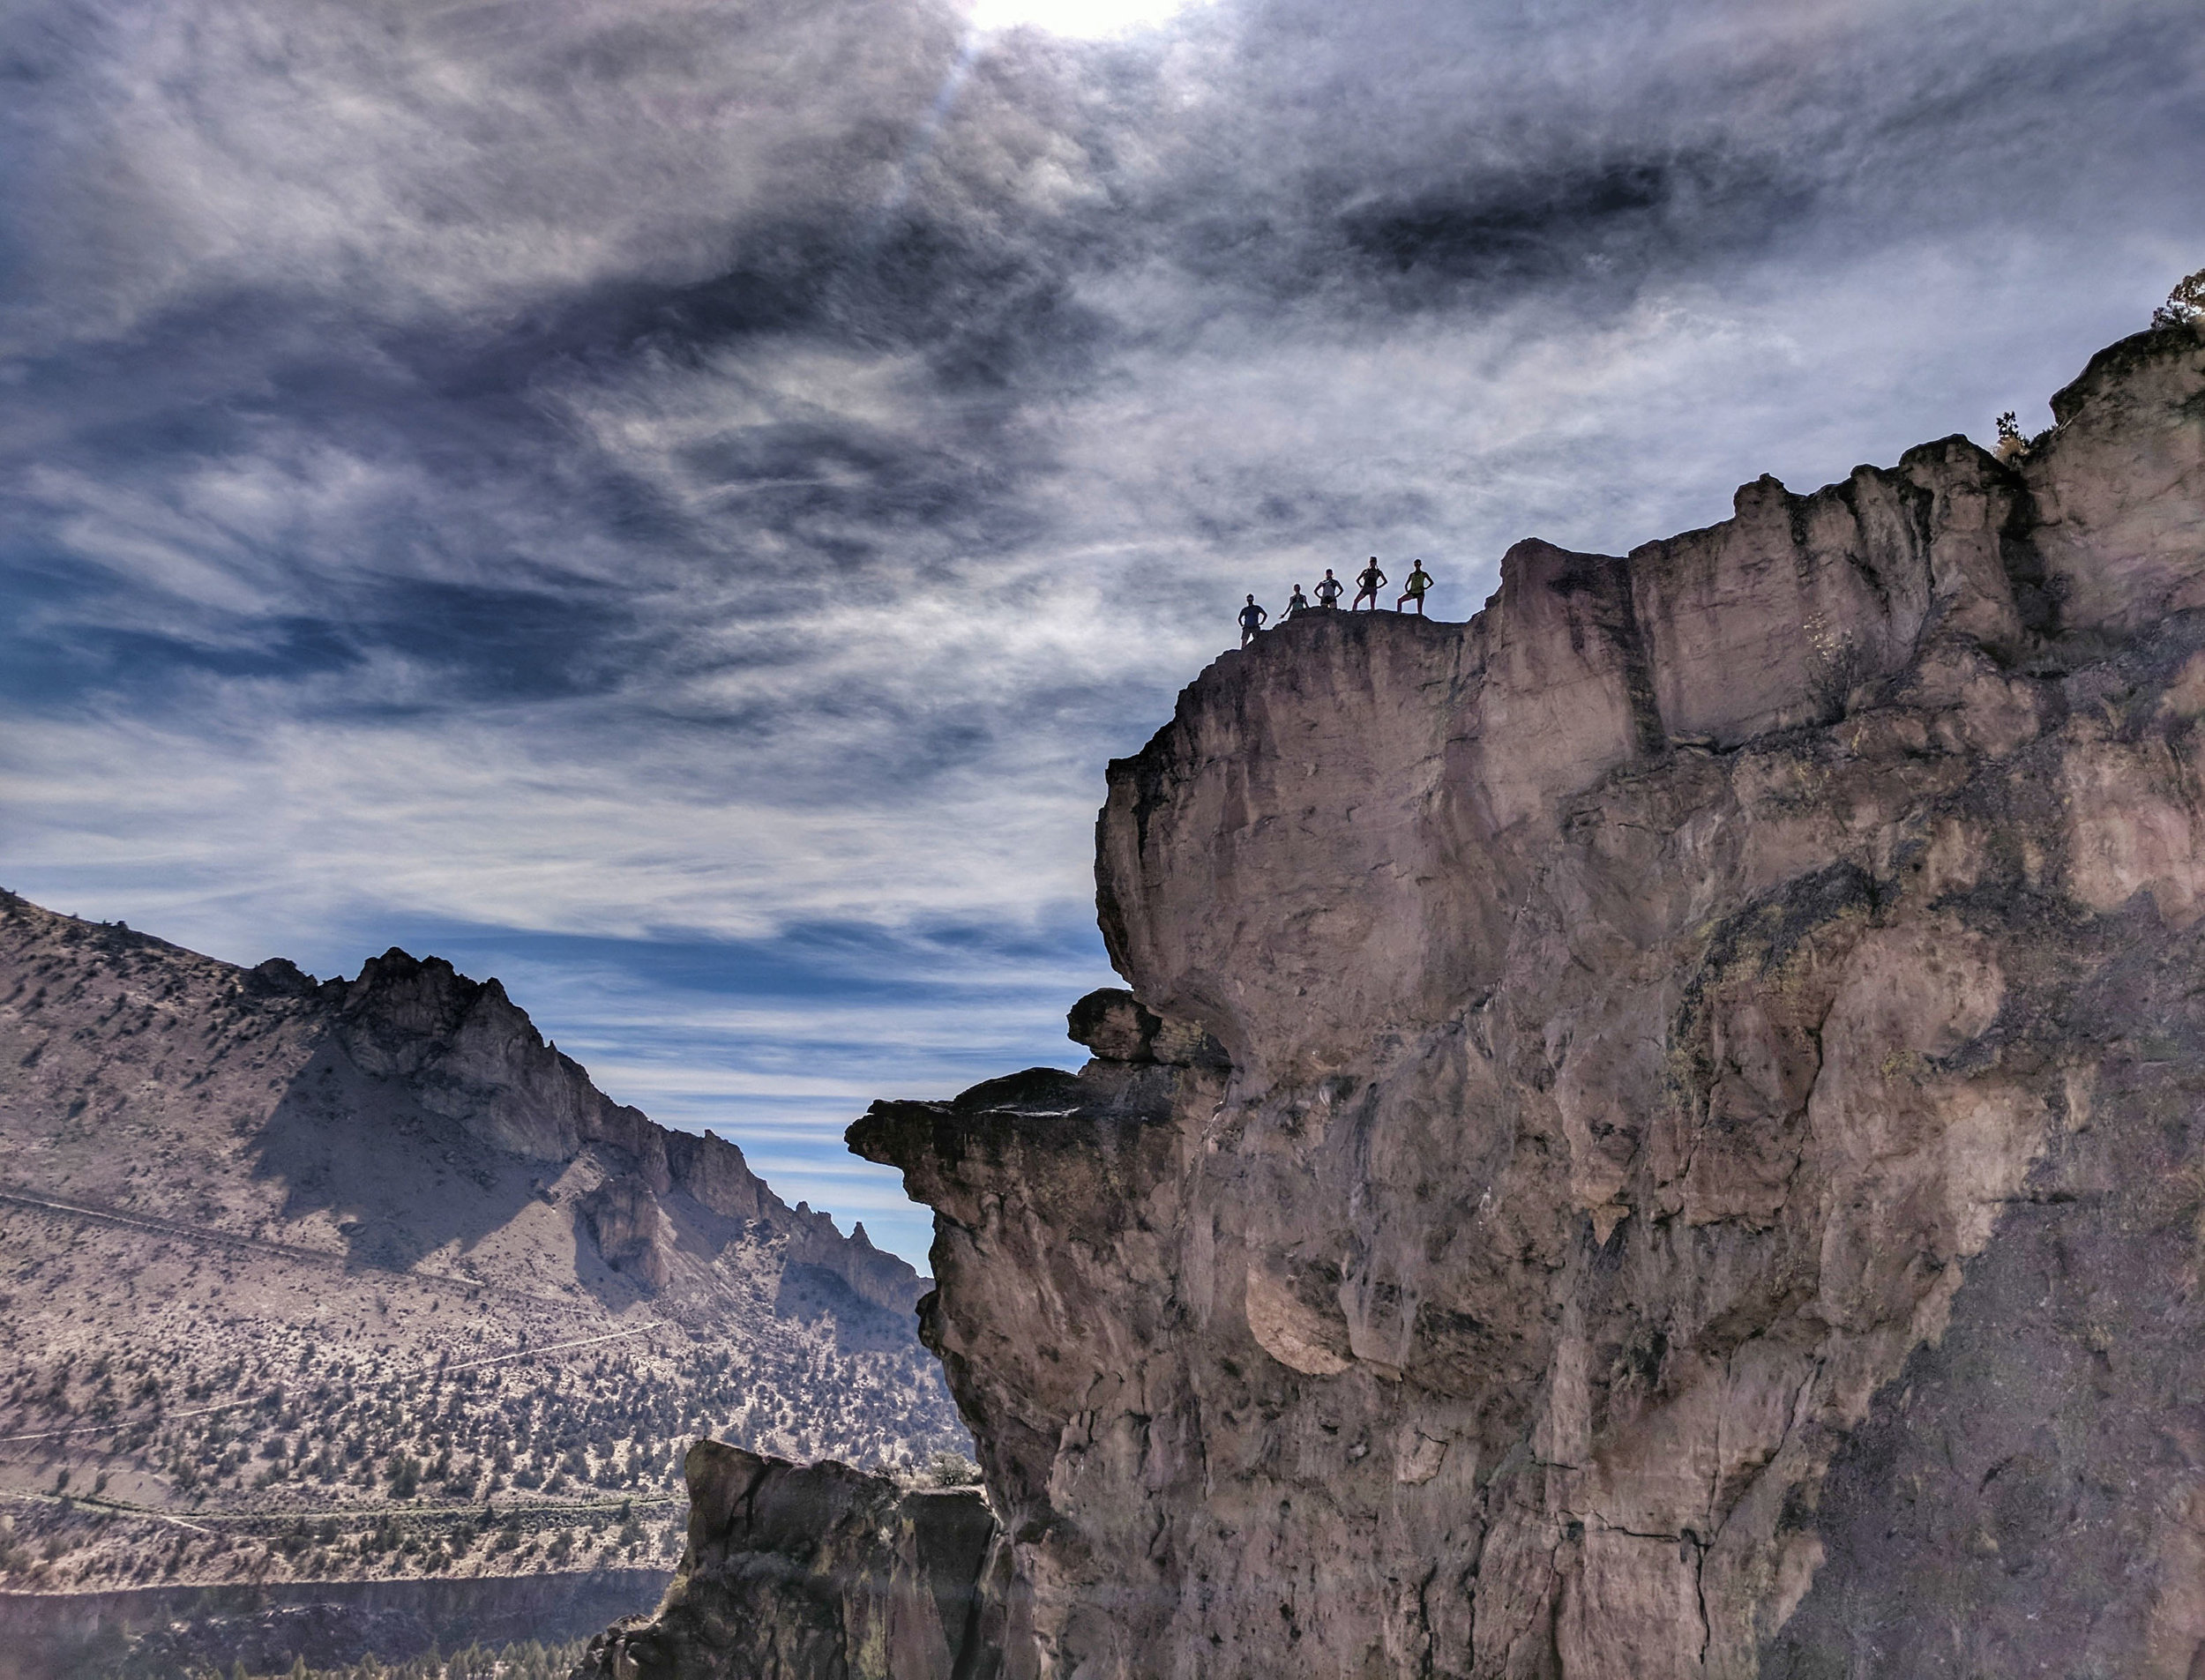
x=669 y=471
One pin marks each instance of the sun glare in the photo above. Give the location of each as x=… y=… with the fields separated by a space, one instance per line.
x=1087 y=20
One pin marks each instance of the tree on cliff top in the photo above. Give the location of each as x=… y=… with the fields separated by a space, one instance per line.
x=2184 y=304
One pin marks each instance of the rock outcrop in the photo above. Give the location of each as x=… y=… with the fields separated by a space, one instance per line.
x=1660 y=1134
x=469 y=1055
x=814 y=1572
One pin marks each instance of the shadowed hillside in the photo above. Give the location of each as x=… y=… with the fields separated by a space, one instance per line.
x=362 y=1279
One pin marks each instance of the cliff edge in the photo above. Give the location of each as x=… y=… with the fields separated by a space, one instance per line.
x=1668 y=1140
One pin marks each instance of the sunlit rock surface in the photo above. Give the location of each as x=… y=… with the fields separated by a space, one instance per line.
x=1661 y=1133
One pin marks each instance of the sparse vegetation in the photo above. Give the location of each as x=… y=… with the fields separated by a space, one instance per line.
x=953 y=1469
x=530 y=1659
x=335 y=1466
x=1836 y=665
x=2184 y=305
x=204 y=1389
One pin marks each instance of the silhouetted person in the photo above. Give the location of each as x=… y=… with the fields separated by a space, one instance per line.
x=1297 y=603
x=1328 y=592
x=1369 y=581
x=1252 y=618
x=1414 y=588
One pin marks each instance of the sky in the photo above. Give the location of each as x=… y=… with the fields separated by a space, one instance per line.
x=674 y=504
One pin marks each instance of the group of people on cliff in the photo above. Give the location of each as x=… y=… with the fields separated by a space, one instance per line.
x=1369 y=581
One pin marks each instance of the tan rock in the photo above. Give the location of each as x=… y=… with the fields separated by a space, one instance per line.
x=1706 y=1179
x=807 y=1572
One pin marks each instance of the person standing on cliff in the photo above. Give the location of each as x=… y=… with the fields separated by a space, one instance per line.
x=1369 y=581
x=1418 y=581
x=1328 y=592
x=1252 y=618
x=1297 y=603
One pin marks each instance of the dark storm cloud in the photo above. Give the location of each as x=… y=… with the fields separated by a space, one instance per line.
x=1427 y=156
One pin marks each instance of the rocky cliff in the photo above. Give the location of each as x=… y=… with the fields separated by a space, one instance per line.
x=1661 y=1132
x=470 y=1056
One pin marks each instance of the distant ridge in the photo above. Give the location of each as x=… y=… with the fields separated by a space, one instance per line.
x=303 y=1273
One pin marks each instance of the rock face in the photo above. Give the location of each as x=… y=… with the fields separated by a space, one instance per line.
x=1700 y=1170
x=472 y=1057
x=814 y=1572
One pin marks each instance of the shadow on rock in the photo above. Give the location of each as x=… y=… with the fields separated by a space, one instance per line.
x=816 y=1573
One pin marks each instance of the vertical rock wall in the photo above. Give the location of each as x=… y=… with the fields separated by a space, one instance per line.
x=1696 y=1167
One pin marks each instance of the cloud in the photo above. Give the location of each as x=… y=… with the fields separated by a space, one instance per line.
x=670 y=470
x=428 y=162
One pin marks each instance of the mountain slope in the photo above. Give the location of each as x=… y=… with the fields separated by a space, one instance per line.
x=303 y=1273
